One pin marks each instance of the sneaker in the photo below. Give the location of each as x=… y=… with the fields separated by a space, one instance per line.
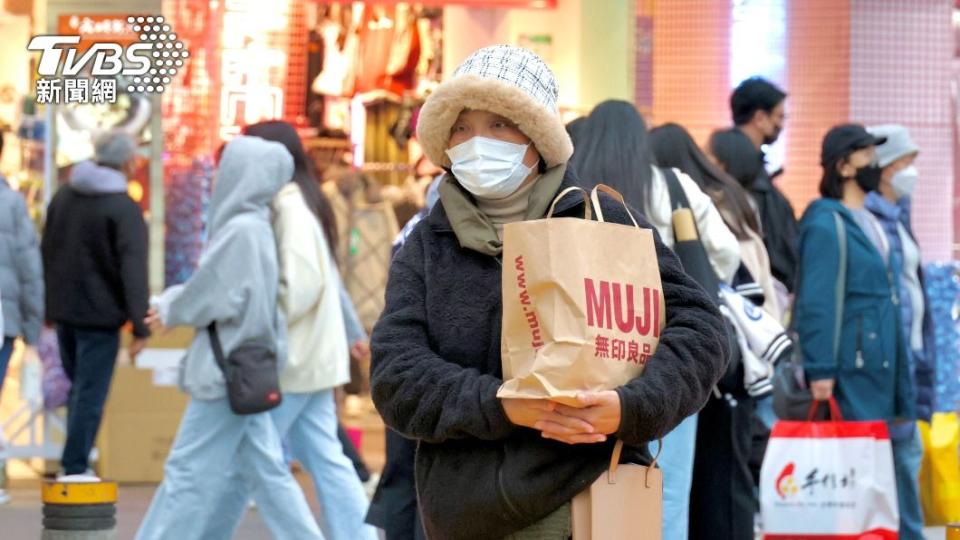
x=87 y=477
x=4 y=497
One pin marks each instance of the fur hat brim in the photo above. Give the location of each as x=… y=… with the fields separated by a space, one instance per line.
x=451 y=97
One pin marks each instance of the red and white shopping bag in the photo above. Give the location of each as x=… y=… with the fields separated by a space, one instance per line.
x=829 y=480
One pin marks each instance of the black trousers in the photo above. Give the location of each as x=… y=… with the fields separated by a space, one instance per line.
x=351 y=452
x=722 y=500
x=88 y=357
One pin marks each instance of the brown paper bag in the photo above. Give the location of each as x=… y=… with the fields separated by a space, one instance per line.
x=625 y=503
x=583 y=305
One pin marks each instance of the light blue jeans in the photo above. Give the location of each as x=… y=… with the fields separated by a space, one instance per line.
x=676 y=460
x=308 y=423
x=907 y=455
x=213 y=442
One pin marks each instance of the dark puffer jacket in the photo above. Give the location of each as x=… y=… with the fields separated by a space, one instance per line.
x=436 y=370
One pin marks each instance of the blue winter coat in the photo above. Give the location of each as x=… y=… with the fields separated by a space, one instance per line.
x=871 y=367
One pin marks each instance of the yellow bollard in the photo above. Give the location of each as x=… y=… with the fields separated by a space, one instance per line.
x=79 y=511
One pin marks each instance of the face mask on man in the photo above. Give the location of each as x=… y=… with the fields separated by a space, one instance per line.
x=868 y=178
x=904 y=181
x=488 y=168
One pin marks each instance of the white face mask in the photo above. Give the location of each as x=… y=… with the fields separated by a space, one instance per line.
x=488 y=168
x=904 y=181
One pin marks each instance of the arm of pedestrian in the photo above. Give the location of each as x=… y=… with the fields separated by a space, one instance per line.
x=689 y=360
x=206 y=297
x=815 y=306
x=351 y=321
x=131 y=245
x=460 y=402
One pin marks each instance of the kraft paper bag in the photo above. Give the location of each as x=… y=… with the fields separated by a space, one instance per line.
x=583 y=305
x=626 y=502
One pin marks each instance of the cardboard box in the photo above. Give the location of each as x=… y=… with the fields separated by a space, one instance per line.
x=140 y=421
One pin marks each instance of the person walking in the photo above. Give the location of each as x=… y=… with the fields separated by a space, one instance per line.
x=317 y=353
x=436 y=364
x=758 y=112
x=21 y=280
x=613 y=145
x=235 y=286
x=890 y=204
x=869 y=375
x=95 y=269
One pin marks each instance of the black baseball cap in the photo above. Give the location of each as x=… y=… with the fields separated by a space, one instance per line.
x=844 y=139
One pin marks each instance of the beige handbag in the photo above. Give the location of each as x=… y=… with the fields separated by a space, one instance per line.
x=625 y=503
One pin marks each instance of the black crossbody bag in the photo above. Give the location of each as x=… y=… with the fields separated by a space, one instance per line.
x=251 y=374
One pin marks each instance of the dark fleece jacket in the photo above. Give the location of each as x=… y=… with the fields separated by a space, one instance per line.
x=436 y=370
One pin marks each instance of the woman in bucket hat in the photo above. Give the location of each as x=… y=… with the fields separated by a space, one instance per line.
x=485 y=467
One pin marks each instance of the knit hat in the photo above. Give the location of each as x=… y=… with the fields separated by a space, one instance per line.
x=512 y=82
x=114 y=147
x=898 y=143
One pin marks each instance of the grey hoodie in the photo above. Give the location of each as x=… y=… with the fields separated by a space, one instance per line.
x=237 y=279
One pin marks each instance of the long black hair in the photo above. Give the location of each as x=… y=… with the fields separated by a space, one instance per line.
x=303 y=173
x=672 y=146
x=737 y=155
x=611 y=147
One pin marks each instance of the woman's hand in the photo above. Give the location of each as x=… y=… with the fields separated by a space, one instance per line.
x=153 y=322
x=822 y=390
x=599 y=409
x=360 y=350
x=543 y=416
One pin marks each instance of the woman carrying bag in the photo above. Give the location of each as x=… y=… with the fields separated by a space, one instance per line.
x=317 y=353
x=436 y=368
x=235 y=287
x=861 y=360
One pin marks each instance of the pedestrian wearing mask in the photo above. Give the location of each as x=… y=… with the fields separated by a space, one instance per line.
x=235 y=286
x=890 y=204
x=757 y=106
x=870 y=373
x=515 y=464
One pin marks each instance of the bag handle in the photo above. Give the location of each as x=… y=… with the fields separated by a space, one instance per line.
x=217 y=348
x=841 y=289
x=835 y=414
x=595 y=197
x=678 y=197
x=615 y=462
x=587 y=213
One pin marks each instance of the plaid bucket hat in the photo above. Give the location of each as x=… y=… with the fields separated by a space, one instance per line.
x=510 y=81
